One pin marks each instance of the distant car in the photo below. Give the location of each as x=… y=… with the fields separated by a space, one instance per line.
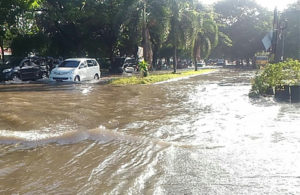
x=29 y=69
x=212 y=61
x=221 y=62
x=261 y=61
x=117 y=65
x=128 y=68
x=76 y=69
x=201 y=63
x=164 y=67
x=130 y=65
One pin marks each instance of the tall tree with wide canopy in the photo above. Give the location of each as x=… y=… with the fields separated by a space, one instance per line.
x=206 y=36
x=177 y=36
x=10 y=10
x=159 y=25
x=291 y=35
x=153 y=24
x=85 y=27
x=246 y=23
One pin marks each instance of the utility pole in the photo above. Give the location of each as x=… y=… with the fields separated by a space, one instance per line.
x=298 y=37
x=275 y=36
x=283 y=26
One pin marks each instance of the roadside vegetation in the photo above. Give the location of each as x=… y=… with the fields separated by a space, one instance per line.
x=155 y=78
x=276 y=75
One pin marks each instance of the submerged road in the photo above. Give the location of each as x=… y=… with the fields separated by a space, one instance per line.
x=201 y=135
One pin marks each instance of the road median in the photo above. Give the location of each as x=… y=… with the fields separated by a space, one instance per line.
x=156 y=78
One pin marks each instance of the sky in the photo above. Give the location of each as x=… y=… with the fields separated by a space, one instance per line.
x=269 y=4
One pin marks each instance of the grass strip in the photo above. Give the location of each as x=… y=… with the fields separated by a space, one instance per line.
x=155 y=78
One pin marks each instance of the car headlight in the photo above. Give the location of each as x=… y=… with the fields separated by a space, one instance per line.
x=71 y=72
x=52 y=72
x=6 y=70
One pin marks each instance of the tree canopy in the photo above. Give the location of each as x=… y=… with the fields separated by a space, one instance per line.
x=246 y=23
x=164 y=28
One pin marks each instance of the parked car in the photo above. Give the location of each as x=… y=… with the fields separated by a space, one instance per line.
x=76 y=69
x=201 y=63
x=221 y=62
x=6 y=69
x=130 y=65
x=261 y=61
x=117 y=65
x=28 y=69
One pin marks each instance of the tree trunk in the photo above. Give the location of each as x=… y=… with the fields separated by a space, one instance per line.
x=147 y=46
x=2 y=49
x=175 y=60
x=155 y=57
x=196 y=56
x=196 y=53
x=168 y=61
x=146 y=39
x=195 y=63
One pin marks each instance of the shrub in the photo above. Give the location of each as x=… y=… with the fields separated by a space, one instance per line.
x=143 y=66
x=283 y=73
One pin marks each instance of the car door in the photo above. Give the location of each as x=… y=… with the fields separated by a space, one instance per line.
x=90 y=69
x=96 y=68
x=82 y=71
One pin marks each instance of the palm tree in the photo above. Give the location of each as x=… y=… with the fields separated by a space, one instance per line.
x=206 y=36
x=152 y=25
x=177 y=35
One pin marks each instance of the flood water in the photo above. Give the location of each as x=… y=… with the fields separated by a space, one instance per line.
x=201 y=135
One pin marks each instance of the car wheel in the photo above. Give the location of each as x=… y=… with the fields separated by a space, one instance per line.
x=44 y=75
x=15 y=77
x=77 y=79
x=96 y=77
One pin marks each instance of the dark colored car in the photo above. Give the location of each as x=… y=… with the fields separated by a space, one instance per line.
x=130 y=65
x=117 y=65
x=28 y=69
x=9 y=70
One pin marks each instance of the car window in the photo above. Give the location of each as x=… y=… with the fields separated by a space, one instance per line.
x=69 y=64
x=83 y=64
x=90 y=63
x=95 y=63
x=26 y=63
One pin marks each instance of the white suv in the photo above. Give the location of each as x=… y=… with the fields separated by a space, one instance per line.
x=76 y=69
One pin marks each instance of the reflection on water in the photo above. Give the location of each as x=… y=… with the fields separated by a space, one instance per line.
x=201 y=135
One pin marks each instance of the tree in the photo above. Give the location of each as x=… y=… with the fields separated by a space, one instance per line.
x=85 y=27
x=291 y=35
x=246 y=23
x=159 y=25
x=10 y=10
x=177 y=36
x=153 y=26
x=206 y=36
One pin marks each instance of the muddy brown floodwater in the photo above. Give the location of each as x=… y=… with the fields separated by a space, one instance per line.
x=201 y=135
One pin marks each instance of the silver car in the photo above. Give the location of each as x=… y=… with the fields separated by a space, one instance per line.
x=76 y=69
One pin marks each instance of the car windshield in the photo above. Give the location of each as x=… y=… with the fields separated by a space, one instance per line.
x=69 y=64
x=130 y=61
